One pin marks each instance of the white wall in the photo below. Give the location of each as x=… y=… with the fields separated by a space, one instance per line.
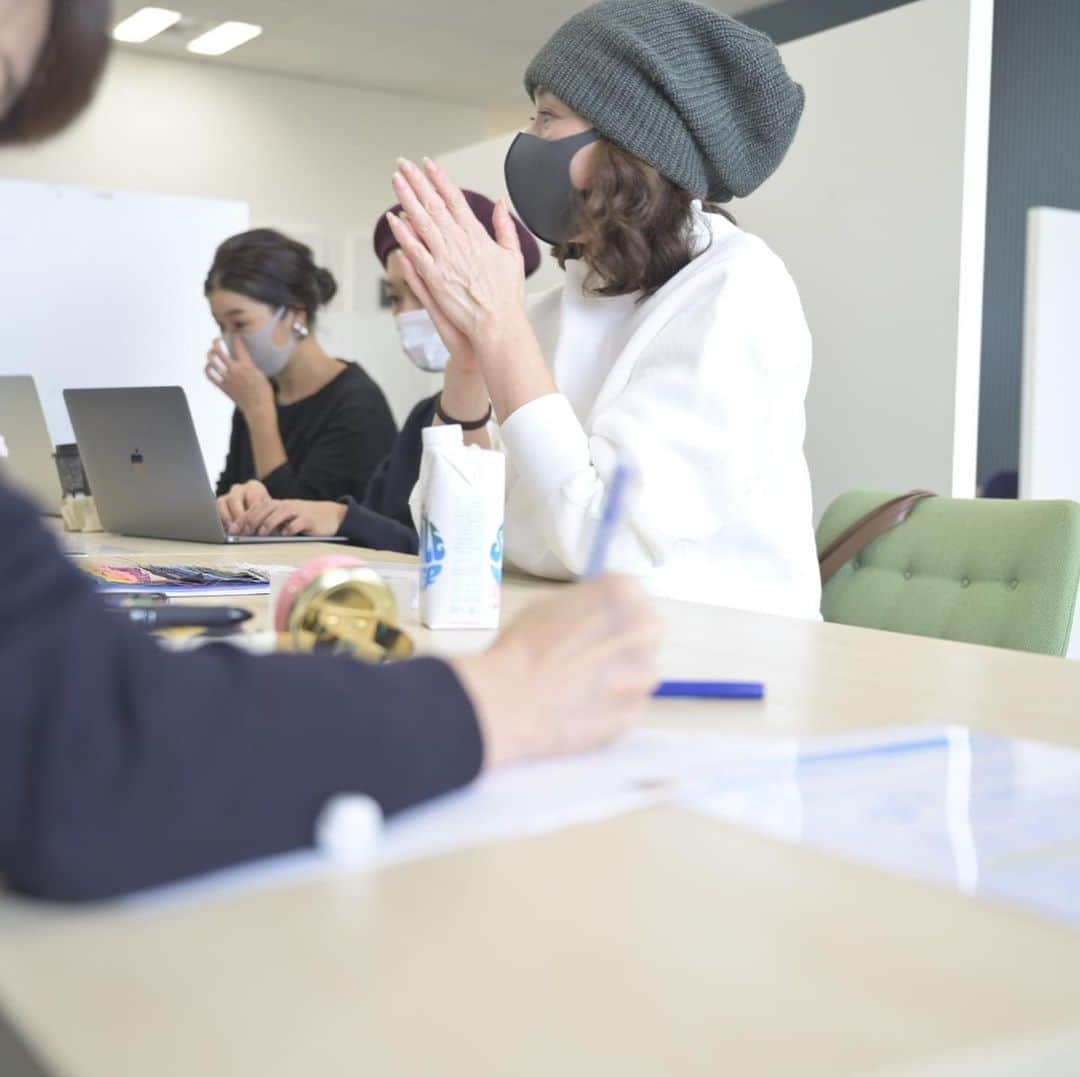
x=311 y=158
x=879 y=213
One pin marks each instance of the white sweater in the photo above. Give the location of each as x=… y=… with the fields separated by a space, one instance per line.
x=700 y=389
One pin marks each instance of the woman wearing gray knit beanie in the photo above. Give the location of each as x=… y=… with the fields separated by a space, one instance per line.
x=677 y=344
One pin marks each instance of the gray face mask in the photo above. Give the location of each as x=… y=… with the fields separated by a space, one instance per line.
x=269 y=357
x=538 y=179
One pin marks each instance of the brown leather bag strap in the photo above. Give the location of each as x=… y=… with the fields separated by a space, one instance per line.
x=854 y=539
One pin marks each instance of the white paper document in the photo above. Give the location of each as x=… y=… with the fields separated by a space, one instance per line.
x=643 y=768
x=991 y=816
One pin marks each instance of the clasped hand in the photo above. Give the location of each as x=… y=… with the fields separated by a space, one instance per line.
x=472 y=286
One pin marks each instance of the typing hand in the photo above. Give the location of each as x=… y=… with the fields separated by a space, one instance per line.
x=243 y=498
x=294 y=518
x=587 y=659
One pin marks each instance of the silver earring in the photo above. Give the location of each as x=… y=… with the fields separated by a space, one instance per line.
x=301 y=332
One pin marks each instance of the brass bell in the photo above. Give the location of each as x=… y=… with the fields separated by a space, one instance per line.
x=339 y=605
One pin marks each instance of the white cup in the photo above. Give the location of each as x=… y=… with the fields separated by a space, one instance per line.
x=279 y=576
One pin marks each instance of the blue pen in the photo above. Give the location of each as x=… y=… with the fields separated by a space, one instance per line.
x=605 y=531
x=710 y=690
x=608 y=522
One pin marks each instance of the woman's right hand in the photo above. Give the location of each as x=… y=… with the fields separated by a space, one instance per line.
x=240 y=379
x=238 y=502
x=464 y=394
x=589 y=657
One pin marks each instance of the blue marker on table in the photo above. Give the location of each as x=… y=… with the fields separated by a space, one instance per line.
x=605 y=531
x=710 y=690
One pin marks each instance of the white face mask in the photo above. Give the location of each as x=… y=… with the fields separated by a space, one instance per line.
x=421 y=341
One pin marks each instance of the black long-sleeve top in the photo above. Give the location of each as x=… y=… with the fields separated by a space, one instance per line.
x=123 y=766
x=334 y=441
x=381 y=520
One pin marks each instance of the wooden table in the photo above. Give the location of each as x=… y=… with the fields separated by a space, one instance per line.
x=662 y=943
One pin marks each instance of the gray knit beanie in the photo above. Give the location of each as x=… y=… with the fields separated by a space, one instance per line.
x=699 y=96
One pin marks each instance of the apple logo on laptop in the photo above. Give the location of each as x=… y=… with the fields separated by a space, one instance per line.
x=137 y=462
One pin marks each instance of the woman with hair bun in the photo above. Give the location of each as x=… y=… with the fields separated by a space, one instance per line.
x=306 y=425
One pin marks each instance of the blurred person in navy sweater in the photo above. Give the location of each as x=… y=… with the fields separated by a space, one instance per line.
x=122 y=766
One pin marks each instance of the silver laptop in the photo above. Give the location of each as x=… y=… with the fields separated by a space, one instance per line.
x=29 y=465
x=145 y=467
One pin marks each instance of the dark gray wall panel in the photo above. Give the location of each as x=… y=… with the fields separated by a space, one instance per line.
x=1034 y=161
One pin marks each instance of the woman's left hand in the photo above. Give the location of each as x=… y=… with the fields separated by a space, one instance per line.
x=243 y=498
x=462 y=276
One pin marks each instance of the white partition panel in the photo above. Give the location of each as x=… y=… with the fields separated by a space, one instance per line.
x=103 y=289
x=1050 y=432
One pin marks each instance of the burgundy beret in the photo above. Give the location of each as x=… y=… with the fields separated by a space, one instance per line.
x=484 y=208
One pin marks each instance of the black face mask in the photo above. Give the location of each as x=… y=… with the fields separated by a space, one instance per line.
x=538 y=179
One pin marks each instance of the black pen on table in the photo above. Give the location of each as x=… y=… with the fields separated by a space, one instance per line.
x=187 y=617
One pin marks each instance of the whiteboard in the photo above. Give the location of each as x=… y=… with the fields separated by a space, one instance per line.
x=1049 y=432
x=104 y=289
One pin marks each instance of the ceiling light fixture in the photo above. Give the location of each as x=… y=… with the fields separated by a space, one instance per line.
x=224 y=38
x=146 y=23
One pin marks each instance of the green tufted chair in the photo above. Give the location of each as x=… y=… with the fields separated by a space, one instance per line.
x=1001 y=573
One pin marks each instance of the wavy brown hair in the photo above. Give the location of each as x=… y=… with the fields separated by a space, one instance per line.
x=635 y=229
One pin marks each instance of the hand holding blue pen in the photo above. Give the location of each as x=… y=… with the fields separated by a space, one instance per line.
x=608 y=523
